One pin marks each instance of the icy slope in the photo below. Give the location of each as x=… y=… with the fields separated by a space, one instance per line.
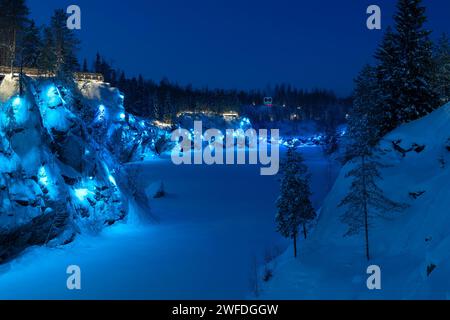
x=404 y=245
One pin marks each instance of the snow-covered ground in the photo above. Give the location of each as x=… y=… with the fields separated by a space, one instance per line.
x=212 y=223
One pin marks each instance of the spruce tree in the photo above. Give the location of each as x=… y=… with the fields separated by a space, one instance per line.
x=442 y=72
x=386 y=89
x=29 y=44
x=85 y=66
x=65 y=46
x=13 y=17
x=46 y=61
x=365 y=111
x=413 y=70
x=365 y=199
x=294 y=206
x=98 y=63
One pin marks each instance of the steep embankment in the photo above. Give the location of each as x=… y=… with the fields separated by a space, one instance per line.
x=412 y=248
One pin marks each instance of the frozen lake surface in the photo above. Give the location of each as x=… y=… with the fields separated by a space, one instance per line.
x=213 y=222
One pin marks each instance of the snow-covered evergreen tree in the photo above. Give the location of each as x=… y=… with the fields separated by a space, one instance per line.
x=442 y=73
x=85 y=66
x=294 y=206
x=365 y=117
x=13 y=17
x=46 y=60
x=386 y=90
x=413 y=70
x=365 y=199
x=65 y=46
x=29 y=45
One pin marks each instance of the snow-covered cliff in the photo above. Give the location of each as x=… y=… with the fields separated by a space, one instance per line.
x=61 y=152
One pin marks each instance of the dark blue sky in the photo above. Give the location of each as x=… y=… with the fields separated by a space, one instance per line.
x=236 y=43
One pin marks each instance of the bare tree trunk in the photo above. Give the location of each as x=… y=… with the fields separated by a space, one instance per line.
x=366 y=213
x=304 y=231
x=13 y=52
x=295 y=245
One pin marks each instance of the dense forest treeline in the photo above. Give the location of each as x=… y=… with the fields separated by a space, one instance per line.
x=165 y=99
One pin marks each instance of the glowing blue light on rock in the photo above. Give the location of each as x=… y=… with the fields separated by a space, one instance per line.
x=101 y=114
x=17 y=102
x=81 y=194
x=43 y=178
x=51 y=92
x=112 y=180
x=122 y=116
x=53 y=96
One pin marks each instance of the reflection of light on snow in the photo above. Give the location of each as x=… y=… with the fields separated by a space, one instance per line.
x=112 y=180
x=42 y=174
x=101 y=113
x=51 y=92
x=16 y=102
x=81 y=194
x=162 y=125
x=53 y=95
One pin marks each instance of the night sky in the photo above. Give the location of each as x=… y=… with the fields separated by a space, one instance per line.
x=236 y=43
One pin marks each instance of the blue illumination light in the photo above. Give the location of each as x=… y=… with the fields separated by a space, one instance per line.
x=42 y=174
x=112 y=180
x=17 y=102
x=51 y=92
x=54 y=96
x=122 y=116
x=81 y=194
x=101 y=114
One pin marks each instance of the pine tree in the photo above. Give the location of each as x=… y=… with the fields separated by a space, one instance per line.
x=442 y=72
x=46 y=61
x=413 y=70
x=98 y=63
x=365 y=117
x=13 y=17
x=29 y=46
x=365 y=198
x=85 y=66
x=294 y=206
x=386 y=89
x=66 y=46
